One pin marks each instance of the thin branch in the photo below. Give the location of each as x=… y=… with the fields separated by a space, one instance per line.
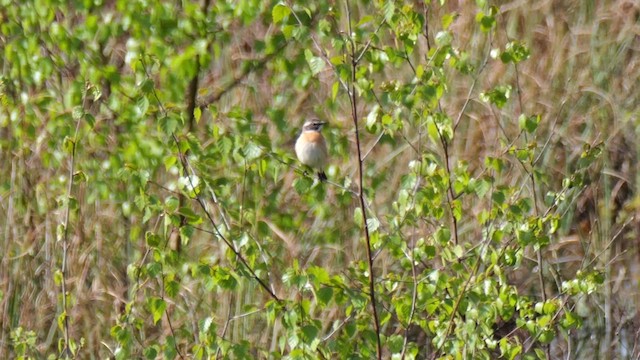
x=451 y=196
x=66 y=351
x=166 y=313
x=354 y=113
x=343 y=323
x=374 y=145
x=224 y=328
x=366 y=46
x=414 y=296
x=456 y=305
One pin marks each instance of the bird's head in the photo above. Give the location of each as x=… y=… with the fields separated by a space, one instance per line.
x=313 y=125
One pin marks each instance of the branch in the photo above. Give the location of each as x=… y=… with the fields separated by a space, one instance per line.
x=354 y=114
x=414 y=296
x=66 y=351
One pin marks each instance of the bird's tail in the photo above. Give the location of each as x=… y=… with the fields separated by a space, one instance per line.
x=322 y=176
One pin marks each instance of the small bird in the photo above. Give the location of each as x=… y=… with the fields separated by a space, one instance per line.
x=311 y=148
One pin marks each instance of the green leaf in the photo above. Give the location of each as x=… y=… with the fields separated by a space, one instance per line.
x=147 y=86
x=190 y=215
x=529 y=123
x=403 y=311
x=357 y=216
x=61 y=318
x=169 y=161
x=168 y=124
x=57 y=277
x=252 y=151
x=142 y=105
x=197 y=114
x=447 y=20
x=487 y=21
x=310 y=333
x=302 y=184
x=171 y=288
x=77 y=113
x=373 y=224
x=388 y=9
x=334 y=90
x=79 y=177
x=279 y=12
x=324 y=295
x=443 y=38
x=152 y=239
x=432 y=130
x=319 y=274
x=515 y=52
x=497 y=96
x=171 y=204
x=287 y=31
x=443 y=235
x=90 y=119
x=316 y=64
x=157 y=307
x=68 y=145
x=151 y=352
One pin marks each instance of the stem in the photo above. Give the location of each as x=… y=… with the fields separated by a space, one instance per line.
x=451 y=196
x=66 y=351
x=354 y=114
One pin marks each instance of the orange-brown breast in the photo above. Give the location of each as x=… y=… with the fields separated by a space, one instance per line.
x=316 y=138
x=313 y=136
x=311 y=149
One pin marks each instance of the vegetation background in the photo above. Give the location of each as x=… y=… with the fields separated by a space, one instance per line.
x=151 y=206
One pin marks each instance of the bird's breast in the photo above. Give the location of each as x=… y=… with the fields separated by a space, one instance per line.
x=311 y=149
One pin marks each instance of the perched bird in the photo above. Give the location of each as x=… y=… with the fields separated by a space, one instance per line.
x=311 y=148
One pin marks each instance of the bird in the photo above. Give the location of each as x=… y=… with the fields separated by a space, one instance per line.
x=311 y=147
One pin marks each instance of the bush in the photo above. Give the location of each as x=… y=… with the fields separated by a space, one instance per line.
x=476 y=206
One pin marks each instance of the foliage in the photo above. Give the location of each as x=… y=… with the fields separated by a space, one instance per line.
x=154 y=208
